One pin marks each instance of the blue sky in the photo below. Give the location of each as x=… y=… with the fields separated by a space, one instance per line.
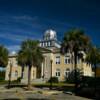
x=23 y=19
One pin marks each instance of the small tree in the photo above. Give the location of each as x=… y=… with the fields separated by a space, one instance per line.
x=3 y=56
x=71 y=76
x=53 y=80
x=21 y=61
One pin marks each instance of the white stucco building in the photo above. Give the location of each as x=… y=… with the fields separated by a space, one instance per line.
x=61 y=64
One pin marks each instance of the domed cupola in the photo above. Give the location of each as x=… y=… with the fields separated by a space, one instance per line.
x=50 y=40
x=50 y=35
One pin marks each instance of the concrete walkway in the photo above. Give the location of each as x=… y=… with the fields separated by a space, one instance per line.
x=35 y=94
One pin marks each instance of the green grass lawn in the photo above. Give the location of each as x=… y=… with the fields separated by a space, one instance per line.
x=56 y=86
x=39 y=84
x=53 y=84
x=3 y=82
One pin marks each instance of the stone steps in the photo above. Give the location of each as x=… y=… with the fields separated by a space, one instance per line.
x=40 y=80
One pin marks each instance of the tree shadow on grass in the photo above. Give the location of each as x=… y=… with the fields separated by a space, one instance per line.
x=15 y=85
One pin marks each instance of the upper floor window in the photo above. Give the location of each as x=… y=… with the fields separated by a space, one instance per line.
x=58 y=60
x=67 y=60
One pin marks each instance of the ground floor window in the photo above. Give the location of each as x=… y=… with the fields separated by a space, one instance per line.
x=67 y=72
x=57 y=72
x=16 y=73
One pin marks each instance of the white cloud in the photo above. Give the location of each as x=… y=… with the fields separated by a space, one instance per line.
x=25 y=17
x=13 y=48
x=13 y=37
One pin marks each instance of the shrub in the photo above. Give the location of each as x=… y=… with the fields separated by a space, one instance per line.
x=2 y=75
x=19 y=79
x=2 y=78
x=90 y=81
x=53 y=80
x=71 y=77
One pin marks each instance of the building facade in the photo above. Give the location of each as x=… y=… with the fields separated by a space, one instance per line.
x=55 y=64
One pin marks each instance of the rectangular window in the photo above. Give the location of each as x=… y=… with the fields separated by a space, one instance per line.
x=67 y=73
x=58 y=60
x=57 y=72
x=67 y=60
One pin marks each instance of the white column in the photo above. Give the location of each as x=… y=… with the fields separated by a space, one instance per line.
x=42 y=71
x=45 y=69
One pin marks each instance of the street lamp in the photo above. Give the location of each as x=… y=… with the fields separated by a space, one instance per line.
x=9 y=82
x=51 y=74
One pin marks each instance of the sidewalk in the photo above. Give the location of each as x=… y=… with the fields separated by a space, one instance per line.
x=36 y=94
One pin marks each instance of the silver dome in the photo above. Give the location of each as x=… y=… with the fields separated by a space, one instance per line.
x=50 y=35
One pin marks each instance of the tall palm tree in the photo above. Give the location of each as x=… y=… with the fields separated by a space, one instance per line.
x=74 y=41
x=3 y=56
x=21 y=61
x=30 y=55
x=93 y=58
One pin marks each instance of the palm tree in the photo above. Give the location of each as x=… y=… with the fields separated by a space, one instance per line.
x=21 y=61
x=93 y=58
x=74 y=41
x=30 y=55
x=3 y=56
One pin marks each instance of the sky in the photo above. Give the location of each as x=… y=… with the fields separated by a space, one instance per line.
x=29 y=19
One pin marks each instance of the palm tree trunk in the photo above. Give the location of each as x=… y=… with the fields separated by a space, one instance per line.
x=51 y=76
x=10 y=74
x=22 y=72
x=29 y=77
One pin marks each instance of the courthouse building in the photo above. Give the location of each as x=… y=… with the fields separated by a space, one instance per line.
x=54 y=63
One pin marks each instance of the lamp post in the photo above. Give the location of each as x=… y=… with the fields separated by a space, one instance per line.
x=9 y=82
x=51 y=75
